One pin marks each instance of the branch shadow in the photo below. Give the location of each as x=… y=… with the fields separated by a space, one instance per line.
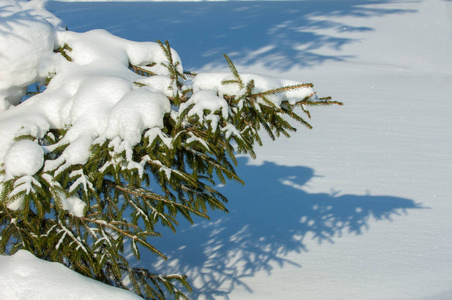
x=279 y=34
x=10 y=18
x=20 y=31
x=270 y=218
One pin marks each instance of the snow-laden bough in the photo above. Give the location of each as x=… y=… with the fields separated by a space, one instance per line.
x=116 y=127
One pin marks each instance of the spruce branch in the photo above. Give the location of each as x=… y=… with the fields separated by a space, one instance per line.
x=63 y=51
x=184 y=157
x=142 y=71
x=139 y=192
x=284 y=89
x=234 y=72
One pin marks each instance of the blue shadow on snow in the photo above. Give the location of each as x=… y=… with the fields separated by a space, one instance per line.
x=270 y=217
x=279 y=34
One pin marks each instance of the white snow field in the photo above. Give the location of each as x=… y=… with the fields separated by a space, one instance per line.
x=359 y=207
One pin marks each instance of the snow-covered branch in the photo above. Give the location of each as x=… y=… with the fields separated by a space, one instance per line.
x=111 y=119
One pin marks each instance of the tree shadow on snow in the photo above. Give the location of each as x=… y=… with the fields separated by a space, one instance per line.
x=279 y=34
x=270 y=217
x=10 y=19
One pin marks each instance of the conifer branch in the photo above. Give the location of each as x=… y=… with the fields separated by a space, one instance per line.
x=131 y=236
x=62 y=50
x=234 y=72
x=284 y=89
x=194 y=147
x=142 y=71
x=147 y=194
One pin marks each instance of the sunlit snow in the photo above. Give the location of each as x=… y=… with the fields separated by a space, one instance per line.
x=23 y=276
x=359 y=208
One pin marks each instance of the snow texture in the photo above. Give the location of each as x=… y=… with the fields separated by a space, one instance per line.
x=74 y=205
x=359 y=208
x=26 y=28
x=91 y=93
x=23 y=158
x=23 y=276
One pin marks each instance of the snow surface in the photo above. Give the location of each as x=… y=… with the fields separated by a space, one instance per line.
x=23 y=276
x=357 y=208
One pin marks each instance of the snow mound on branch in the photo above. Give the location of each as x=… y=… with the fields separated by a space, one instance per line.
x=92 y=93
x=139 y=109
x=23 y=158
x=215 y=81
x=206 y=100
x=30 y=37
x=23 y=276
x=74 y=205
x=94 y=96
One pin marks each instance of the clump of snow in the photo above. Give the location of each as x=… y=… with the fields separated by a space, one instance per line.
x=136 y=111
x=161 y=83
x=206 y=100
x=74 y=205
x=215 y=81
x=28 y=35
x=23 y=276
x=23 y=158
